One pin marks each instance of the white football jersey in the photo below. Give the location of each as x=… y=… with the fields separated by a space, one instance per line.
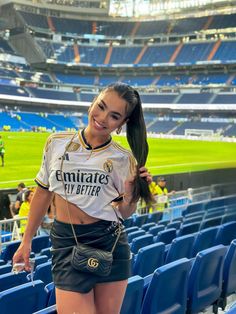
x=93 y=178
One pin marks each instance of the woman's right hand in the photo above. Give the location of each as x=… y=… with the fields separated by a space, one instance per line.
x=22 y=255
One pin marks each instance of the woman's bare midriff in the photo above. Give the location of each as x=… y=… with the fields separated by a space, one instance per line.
x=77 y=215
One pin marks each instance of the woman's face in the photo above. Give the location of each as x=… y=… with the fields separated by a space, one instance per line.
x=107 y=113
x=30 y=196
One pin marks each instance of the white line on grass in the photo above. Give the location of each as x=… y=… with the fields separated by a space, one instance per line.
x=19 y=180
x=193 y=163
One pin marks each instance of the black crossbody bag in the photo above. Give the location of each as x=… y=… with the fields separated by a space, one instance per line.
x=85 y=258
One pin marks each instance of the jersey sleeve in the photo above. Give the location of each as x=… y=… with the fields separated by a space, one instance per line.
x=42 y=178
x=126 y=169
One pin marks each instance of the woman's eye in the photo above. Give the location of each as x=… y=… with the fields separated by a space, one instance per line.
x=101 y=106
x=114 y=117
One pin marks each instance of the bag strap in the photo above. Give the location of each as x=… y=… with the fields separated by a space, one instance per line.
x=67 y=202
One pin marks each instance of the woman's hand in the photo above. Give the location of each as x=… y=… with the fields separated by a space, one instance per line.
x=22 y=256
x=129 y=183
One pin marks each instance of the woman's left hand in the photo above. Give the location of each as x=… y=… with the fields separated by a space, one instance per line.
x=129 y=183
x=144 y=173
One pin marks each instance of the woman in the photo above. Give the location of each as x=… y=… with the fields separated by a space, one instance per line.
x=24 y=209
x=90 y=175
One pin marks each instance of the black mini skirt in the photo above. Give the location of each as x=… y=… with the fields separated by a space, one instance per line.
x=101 y=235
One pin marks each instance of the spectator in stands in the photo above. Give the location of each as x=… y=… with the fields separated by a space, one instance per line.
x=19 y=197
x=94 y=181
x=24 y=209
x=162 y=194
x=5 y=202
x=2 y=150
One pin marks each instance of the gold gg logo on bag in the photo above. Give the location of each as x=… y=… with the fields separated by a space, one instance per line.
x=93 y=262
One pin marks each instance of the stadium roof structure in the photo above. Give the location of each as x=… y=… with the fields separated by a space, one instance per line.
x=133 y=9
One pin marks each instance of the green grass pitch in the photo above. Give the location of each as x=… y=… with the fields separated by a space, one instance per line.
x=24 y=152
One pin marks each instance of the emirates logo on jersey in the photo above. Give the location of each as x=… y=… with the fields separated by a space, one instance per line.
x=73 y=147
x=108 y=166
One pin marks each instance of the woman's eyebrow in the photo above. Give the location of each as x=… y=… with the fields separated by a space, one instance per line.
x=114 y=112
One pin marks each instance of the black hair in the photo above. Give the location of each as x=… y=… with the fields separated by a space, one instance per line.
x=136 y=135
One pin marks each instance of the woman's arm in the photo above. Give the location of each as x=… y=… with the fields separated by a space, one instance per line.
x=38 y=207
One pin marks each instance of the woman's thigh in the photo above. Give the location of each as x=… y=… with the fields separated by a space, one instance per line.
x=108 y=297
x=69 y=302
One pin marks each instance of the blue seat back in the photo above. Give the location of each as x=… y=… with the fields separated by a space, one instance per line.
x=180 y=247
x=205 y=239
x=147 y=226
x=133 y=296
x=166 y=236
x=5 y=269
x=205 y=279
x=140 y=220
x=10 y=280
x=39 y=243
x=155 y=217
x=229 y=271
x=226 y=233
x=189 y=228
x=148 y=259
x=140 y=242
x=211 y=222
x=43 y=272
x=131 y=229
x=163 y=294
x=135 y=234
x=154 y=230
x=10 y=250
x=25 y=298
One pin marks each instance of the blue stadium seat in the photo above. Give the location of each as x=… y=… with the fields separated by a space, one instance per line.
x=148 y=259
x=131 y=229
x=147 y=226
x=155 y=217
x=205 y=239
x=163 y=294
x=51 y=292
x=128 y=222
x=155 y=230
x=228 y=217
x=135 y=234
x=140 y=220
x=10 y=280
x=206 y=223
x=133 y=296
x=189 y=220
x=141 y=241
x=188 y=228
x=46 y=252
x=205 y=279
x=40 y=260
x=226 y=233
x=5 y=269
x=229 y=275
x=174 y=224
x=43 y=272
x=25 y=298
x=165 y=236
x=39 y=243
x=180 y=247
x=10 y=250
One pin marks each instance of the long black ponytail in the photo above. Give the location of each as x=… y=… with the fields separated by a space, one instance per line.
x=136 y=135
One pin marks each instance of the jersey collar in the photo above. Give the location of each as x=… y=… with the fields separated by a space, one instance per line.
x=87 y=146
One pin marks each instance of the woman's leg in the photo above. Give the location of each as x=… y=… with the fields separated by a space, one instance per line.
x=108 y=297
x=69 y=302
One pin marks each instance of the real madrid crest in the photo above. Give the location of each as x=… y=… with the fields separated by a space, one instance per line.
x=108 y=166
x=73 y=147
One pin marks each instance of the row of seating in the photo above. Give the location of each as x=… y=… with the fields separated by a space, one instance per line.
x=149 y=255
x=183 y=286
